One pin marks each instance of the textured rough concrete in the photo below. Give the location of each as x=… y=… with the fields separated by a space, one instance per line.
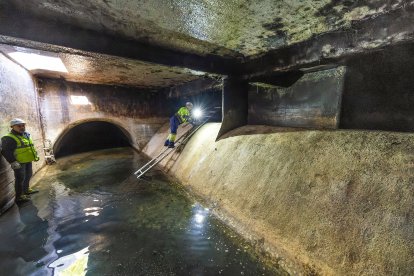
x=221 y=37
x=366 y=35
x=91 y=136
x=313 y=102
x=39 y=30
x=138 y=113
x=110 y=70
x=244 y=26
x=329 y=202
x=378 y=91
x=235 y=104
x=17 y=99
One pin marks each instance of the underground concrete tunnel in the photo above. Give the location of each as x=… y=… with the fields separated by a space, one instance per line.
x=304 y=166
x=90 y=136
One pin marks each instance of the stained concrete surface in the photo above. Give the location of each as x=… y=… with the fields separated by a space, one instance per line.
x=109 y=70
x=92 y=216
x=91 y=136
x=221 y=27
x=139 y=112
x=378 y=91
x=328 y=202
x=17 y=99
x=314 y=101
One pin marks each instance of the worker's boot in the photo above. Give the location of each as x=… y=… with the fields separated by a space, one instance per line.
x=171 y=145
x=31 y=191
x=167 y=143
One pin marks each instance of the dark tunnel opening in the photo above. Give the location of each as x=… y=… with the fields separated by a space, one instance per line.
x=91 y=136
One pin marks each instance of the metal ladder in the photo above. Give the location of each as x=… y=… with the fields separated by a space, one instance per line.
x=48 y=150
x=179 y=142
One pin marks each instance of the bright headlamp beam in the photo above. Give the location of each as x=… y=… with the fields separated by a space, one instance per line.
x=197 y=113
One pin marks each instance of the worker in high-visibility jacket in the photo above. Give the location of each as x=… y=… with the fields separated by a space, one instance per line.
x=183 y=115
x=18 y=149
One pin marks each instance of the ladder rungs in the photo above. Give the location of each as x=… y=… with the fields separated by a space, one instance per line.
x=153 y=162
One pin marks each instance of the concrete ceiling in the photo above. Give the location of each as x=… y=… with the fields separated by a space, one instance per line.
x=241 y=37
x=228 y=27
x=109 y=70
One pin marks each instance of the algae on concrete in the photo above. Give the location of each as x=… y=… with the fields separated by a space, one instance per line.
x=333 y=202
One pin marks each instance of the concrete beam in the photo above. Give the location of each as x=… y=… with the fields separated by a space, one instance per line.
x=19 y=24
x=234 y=105
x=283 y=79
x=366 y=35
x=193 y=88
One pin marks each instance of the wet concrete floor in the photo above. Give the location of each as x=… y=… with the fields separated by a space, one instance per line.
x=91 y=217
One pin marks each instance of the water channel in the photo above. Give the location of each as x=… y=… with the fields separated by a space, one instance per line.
x=91 y=217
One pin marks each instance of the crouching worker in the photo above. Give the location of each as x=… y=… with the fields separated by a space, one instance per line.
x=182 y=116
x=19 y=151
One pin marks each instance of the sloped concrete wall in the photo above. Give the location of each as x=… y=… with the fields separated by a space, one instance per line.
x=17 y=99
x=333 y=202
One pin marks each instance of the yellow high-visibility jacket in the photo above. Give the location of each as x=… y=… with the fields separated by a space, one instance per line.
x=183 y=115
x=25 y=151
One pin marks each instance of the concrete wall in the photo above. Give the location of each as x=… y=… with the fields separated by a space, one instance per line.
x=17 y=99
x=312 y=102
x=333 y=202
x=140 y=113
x=378 y=91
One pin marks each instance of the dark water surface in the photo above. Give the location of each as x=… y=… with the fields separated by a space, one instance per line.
x=91 y=217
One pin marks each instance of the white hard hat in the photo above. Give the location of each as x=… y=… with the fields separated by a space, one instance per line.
x=188 y=104
x=16 y=121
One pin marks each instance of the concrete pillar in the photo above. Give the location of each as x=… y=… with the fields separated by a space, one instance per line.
x=234 y=105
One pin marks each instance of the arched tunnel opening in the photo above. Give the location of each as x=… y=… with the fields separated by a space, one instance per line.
x=91 y=136
x=300 y=138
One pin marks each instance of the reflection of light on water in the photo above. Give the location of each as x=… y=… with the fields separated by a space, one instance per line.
x=93 y=209
x=95 y=213
x=73 y=264
x=199 y=225
x=199 y=216
x=92 y=214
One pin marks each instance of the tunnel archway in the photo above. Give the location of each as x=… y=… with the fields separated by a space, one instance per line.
x=89 y=136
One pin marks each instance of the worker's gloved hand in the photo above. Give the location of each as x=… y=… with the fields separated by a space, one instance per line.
x=15 y=165
x=196 y=123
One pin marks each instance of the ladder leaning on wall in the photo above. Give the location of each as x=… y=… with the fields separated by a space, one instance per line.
x=180 y=143
x=48 y=150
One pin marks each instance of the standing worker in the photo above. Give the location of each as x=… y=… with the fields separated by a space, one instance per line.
x=182 y=116
x=19 y=151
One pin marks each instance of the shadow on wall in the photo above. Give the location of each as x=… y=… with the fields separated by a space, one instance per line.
x=91 y=136
x=378 y=92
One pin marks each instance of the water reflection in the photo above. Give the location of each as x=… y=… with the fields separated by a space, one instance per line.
x=91 y=218
x=200 y=214
x=22 y=235
x=73 y=264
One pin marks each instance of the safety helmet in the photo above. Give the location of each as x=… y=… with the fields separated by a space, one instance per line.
x=189 y=104
x=16 y=121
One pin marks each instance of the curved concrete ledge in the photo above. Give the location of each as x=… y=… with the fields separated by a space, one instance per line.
x=330 y=202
